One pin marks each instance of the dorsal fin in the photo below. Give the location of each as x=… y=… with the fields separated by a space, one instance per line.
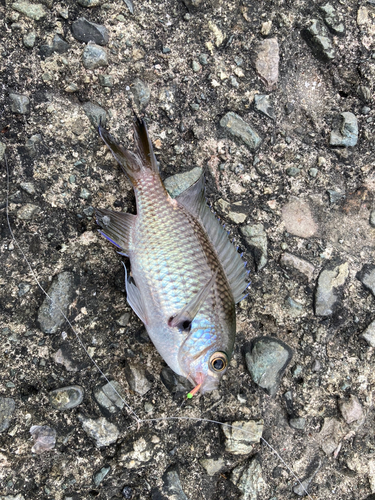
x=194 y=201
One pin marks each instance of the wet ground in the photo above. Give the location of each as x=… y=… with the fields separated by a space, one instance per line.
x=291 y=172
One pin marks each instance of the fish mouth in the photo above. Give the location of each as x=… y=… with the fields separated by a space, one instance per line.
x=206 y=383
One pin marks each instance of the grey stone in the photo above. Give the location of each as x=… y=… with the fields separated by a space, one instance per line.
x=141 y=93
x=195 y=66
x=335 y=196
x=89 y=3
x=35 y=11
x=203 y=59
x=241 y=435
x=85 y=194
x=256 y=239
x=111 y=396
x=61 y=293
x=316 y=36
x=86 y=31
x=178 y=183
x=351 y=409
x=171 y=488
x=330 y=283
x=290 y=261
x=106 y=80
x=59 y=45
x=248 y=479
x=369 y=334
x=263 y=104
x=365 y=93
x=347 y=133
x=372 y=218
x=175 y=384
x=313 y=172
x=130 y=6
x=29 y=39
x=297 y=423
x=237 y=127
x=137 y=378
x=23 y=289
x=332 y=19
x=19 y=104
x=367 y=277
x=213 y=466
x=94 y=56
x=293 y=171
x=66 y=398
x=2 y=150
x=233 y=81
x=100 y=475
x=102 y=431
x=301 y=488
x=44 y=438
x=95 y=114
x=266 y=361
x=7 y=407
x=124 y=319
x=267 y=62
x=27 y=211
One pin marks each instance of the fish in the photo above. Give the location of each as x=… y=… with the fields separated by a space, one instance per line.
x=186 y=276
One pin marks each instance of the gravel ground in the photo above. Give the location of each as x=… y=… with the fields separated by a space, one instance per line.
x=291 y=172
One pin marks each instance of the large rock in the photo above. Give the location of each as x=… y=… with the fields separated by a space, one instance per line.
x=346 y=134
x=51 y=312
x=85 y=31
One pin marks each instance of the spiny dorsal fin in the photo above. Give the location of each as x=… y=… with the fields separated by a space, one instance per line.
x=194 y=201
x=116 y=227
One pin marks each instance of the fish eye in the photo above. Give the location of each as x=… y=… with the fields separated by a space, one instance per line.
x=218 y=361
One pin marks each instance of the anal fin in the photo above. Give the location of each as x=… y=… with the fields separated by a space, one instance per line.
x=116 y=227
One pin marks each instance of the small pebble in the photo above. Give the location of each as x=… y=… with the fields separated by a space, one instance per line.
x=137 y=378
x=293 y=171
x=351 y=409
x=203 y=59
x=196 y=67
x=297 y=423
x=66 y=398
x=94 y=56
x=241 y=437
x=102 y=431
x=7 y=407
x=313 y=172
x=19 y=104
x=29 y=39
x=110 y=396
x=44 y=438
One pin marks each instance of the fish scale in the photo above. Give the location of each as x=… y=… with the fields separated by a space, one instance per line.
x=187 y=276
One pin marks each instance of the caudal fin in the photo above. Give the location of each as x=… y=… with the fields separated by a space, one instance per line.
x=133 y=163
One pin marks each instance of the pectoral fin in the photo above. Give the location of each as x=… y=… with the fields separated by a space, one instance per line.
x=186 y=315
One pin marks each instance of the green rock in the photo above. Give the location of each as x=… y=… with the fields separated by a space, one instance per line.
x=34 y=11
x=237 y=127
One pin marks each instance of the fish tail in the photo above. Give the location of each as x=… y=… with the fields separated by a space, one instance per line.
x=133 y=164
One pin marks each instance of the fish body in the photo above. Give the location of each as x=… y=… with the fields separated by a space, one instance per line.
x=187 y=276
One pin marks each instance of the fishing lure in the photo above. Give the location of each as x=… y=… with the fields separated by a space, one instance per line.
x=186 y=275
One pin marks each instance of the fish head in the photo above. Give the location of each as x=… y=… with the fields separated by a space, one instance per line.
x=205 y=354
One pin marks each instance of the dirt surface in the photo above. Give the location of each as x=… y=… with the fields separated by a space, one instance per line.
x=57 y=176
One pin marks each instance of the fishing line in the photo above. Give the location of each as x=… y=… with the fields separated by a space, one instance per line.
x=129 y=408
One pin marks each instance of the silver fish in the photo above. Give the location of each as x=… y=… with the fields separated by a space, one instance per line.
x=187 y=276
